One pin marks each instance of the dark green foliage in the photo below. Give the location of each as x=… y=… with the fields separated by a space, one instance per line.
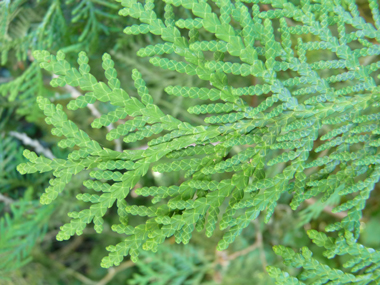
x=172 y=265
x=31 y=25
x=360 y=258
x=20 y=230
x=24 y=221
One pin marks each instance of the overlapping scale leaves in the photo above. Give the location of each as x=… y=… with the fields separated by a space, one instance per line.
x=362 y=262
x=324 y=136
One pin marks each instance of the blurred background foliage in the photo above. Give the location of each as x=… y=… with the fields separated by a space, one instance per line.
x=29 y=253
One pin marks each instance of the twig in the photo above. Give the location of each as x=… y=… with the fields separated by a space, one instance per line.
x=85 y=280
x=72 y=246
x=144 y=147
x=254 y=97
x=80 y=277
x=33 y=143
x=260 y=244
x=54 y=264
x=110 y=275
x=327 y=209
x=242 y=252
x=75 y=94
x=223 y=259
x=5 y=199
x=114 y=270
x=5 y=80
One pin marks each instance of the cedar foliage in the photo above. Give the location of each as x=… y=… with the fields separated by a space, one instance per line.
x=312 y=131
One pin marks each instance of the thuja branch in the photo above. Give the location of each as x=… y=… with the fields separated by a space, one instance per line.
x=330 y=107
x=94 y=111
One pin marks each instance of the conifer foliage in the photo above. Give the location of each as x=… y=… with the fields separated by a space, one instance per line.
x=317 y=120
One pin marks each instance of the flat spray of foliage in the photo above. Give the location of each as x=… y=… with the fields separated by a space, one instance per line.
x=324 y=136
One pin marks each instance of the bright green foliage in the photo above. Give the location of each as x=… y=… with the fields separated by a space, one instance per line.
x=323 y=137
